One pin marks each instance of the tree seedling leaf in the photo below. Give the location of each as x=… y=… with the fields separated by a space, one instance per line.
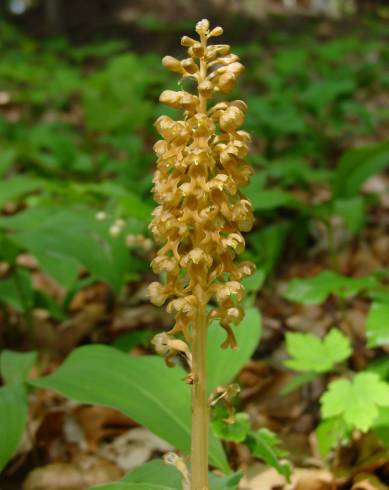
x=357 y=401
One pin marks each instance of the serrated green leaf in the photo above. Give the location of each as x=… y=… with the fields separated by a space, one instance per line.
x=315 y=290
x=264 y=445
x=13 y=417
x=229 y=430
x=15 y=366
x=377 y=325
x=357 y=401
x=312 y=354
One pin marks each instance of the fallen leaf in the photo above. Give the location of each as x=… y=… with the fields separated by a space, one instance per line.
x=366 y=481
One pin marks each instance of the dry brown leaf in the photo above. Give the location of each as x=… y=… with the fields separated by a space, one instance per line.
x=98 y=423
x=134 y=448
x=367 y=481
x=259 y=477
x=69 y=476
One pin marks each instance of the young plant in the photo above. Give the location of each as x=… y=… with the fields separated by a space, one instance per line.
x=200 y=217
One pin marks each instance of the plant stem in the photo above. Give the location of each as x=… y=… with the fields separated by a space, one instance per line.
x=200 y=410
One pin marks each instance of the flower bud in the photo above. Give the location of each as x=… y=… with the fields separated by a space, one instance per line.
x=202 y=27
x=231 y=119
x=196 y=50
x=226 y=82
x=189 y=65
x=172 y=64
x=187 y=41
x=206 y=88
x=216 y=31
x=157 y=293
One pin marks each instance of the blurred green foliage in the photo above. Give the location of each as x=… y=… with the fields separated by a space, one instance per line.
x=76 y=161
x=76 y=130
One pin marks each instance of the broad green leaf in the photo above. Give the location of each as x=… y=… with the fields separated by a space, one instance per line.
x=229 y=430
x=264 y=445
x=17 y=290
x=310 y=353
x=224 y=365
x=18 y=186
x=357 y=165
x=329 y=434
x=7 y=158
x=377 y=325
x=13 y=417
x=357 y=401
x=15 y=366
x=352 y=211
x=267 y=245
x=254 y=282
x=142 y=387
x=134 y=486
x=77 y=238
x=272 y=199
x=155 y=471
x=315 y=290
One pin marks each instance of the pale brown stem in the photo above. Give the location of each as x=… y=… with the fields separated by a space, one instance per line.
x=200 y=410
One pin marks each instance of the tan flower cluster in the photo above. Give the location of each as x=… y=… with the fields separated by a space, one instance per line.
x=201 y=211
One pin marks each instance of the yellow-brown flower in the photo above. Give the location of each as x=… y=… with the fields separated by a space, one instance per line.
x=200 y=168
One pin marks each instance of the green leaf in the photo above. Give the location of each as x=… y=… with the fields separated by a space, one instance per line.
x=253 y=283
x=380 y=366
x=357 y=165
x=134 y=486
x=70 y=238
x=143 y=388
x=315 y=290
x=224 y=365
x=312 y=354
x=18 y=186
x=157 y=471
x=377 y=325
x=267 y=245
x=13 y=417
x=329 y=433
x=224 y=429
x=7 y=159
x=17 y=290
x=15 y=366
x=264 y=445
x=272 y=199
x=299 y=380
x=352 y=211
x=357 y=401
